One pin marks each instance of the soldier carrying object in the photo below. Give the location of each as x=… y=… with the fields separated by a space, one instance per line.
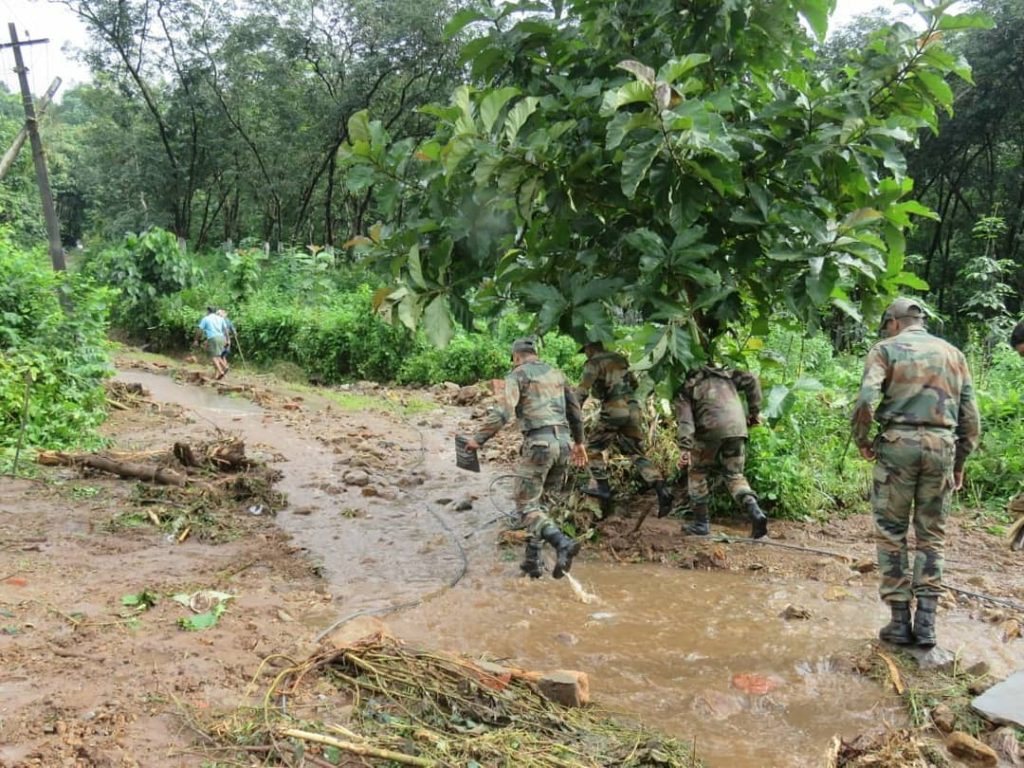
x=713 y=438
x=607 y=376
x=927 y=426
x=540 y=398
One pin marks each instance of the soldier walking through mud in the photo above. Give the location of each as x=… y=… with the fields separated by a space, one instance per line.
x=927 y=426
x=540 y=398
x=713 y=438
x=606 y=375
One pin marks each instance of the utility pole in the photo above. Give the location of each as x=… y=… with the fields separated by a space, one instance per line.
x=19 y=141
x=42 y=178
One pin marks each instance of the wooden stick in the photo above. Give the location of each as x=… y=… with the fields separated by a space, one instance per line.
x=358 y=749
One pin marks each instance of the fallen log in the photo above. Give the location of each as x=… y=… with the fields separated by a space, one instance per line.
x=128 y=469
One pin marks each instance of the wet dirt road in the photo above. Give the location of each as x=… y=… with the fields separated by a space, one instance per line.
x=675 y=646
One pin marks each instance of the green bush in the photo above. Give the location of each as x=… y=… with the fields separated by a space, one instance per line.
x=60 y=356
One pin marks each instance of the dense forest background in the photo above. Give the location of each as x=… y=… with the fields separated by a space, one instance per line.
x=390 y=190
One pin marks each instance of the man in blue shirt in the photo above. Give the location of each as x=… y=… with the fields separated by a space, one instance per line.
x=212 y=329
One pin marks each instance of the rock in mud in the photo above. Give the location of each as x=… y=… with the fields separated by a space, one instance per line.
x=463 y=504
x=936 y=658
x=356 y=477
x=467 y=395
x=793 y=613
x=968 y=748
x=567 y=638
x=1003 y=703
x=718 y=705
x=944 y=718
x=1004 y=742
x=565 y=687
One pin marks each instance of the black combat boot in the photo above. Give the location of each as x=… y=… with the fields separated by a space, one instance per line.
x=531 y=559
x=758 y=521
x=602 y=491
x=924 y=621
x=664 y=498
x=565 y=547
x=699 y=525
x=897 y=631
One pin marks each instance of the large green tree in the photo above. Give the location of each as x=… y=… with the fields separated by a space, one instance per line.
x=679 y=164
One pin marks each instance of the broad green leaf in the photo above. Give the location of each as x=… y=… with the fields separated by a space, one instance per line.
x=359 y=127
x=816 y=12
x=492 y=103
x=636 y=163
x=437 y=321
x=968 y=20
x=936 y=86
x=630 y=93
x=860 y=217
x=624 y=123
x=518 y=115
x=910 y=280
x=416 y=268
x=673 y=69
x=462 y=19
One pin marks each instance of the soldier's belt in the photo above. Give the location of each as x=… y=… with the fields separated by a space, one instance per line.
x=918 y=427
x=553 y=430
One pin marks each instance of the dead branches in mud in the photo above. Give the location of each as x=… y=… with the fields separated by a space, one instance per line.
x=395 y=704
x=194 y=489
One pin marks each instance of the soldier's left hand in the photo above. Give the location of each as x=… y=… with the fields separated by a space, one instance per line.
x=578 y=455
x=472 y=444
x=958 y=479
x=755 y=420
x=868 y=453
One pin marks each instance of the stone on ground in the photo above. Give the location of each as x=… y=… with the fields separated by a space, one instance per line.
x=565 y=687
x=936 y=658
x=1003 y=703
x=969 y=749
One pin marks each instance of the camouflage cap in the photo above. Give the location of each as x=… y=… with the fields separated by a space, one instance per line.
x=598 y=345
x=524 y=345
x=900 y=309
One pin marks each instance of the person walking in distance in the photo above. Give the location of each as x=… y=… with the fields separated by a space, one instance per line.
x=927 y=426
x=606 y=375
x=713 y=438
x=539 y=397
x=211 y=329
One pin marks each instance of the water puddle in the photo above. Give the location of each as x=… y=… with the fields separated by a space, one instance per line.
x=704 y=655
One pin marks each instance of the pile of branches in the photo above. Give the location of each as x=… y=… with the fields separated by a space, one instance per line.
x=191 y=489
x=395 y=705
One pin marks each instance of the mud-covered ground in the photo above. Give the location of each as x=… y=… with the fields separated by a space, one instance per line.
x=86 y=680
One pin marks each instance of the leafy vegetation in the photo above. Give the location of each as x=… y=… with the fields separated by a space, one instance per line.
x=52 y=363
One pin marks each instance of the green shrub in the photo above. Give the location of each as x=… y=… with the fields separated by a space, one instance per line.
x=62 y=357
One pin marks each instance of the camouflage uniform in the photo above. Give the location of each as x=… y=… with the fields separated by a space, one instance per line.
x=548 y=413
x=620 y=424
x=713 y=427
x=928 y=424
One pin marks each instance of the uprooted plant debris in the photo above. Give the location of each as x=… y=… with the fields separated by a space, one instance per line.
x=193 y=489
x=938 y=702
x=380 y=702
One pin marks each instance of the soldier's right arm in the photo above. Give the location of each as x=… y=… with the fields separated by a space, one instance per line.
x=875 y=369
x=586 y=382
x=968 y=426
x=685 y=428
x=501 y=412
x=747 y=383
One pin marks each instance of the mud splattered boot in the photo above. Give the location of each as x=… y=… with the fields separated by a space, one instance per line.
x=924 y=621
x=531 y=559
x=664 y=498
x=601 y=491
x=897 y=631
x=699 y=526
x=758 y=521
x=565 y=547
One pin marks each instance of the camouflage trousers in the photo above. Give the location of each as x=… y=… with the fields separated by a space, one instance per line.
x=620 y=428
x=913 y=470
x=542 y=469
x=725 y=457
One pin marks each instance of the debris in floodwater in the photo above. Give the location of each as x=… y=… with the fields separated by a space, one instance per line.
x=602 y=616
x=584 y=597
x=755 y=685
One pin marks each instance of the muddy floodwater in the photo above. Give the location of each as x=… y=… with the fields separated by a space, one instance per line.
x=700 y=654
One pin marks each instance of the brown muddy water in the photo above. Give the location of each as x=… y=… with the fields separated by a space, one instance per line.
x=672 y=646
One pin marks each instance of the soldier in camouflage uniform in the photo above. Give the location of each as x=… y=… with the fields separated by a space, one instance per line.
x=927 y=425
x=540 y=398
x=713 y=438
x=620 y=424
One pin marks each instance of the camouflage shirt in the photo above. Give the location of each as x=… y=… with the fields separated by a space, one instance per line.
x=538 y=396
x=924 y=382
x=708 y=407
x=608 y=377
